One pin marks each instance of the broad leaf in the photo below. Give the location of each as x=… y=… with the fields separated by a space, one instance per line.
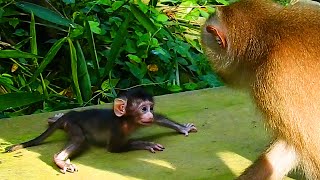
x=16 y=54
x=48 y=58
x=14 y=100
x=45 y=13
x=74 y=70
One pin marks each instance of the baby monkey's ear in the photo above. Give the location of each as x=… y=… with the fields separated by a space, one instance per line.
x=119 y=106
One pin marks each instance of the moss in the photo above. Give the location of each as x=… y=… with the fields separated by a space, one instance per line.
x=230 y=135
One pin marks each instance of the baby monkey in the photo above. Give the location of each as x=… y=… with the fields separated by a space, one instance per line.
x=106 y=127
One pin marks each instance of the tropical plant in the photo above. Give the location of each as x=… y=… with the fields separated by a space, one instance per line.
x=62 y=54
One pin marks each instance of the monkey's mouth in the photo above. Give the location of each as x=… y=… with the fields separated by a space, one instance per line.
x=146 y=123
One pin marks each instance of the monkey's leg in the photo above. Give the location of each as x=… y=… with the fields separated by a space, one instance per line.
x=181 y=128
x=274 y=164
x=139 y=145
x=76 y=142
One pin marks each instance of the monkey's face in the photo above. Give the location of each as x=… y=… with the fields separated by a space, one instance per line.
x=234 y=41
x=145 y=110
x=235 y=33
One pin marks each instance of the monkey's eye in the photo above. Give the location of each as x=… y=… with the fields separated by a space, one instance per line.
x=151 y=108
x=144 y=109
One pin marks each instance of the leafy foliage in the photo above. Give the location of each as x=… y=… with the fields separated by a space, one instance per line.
x=68 y=54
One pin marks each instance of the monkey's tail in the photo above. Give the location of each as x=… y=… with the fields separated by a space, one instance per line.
x=36 y=141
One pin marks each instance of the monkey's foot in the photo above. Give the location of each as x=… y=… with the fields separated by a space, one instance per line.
x=59 y=115
x=153 y=147
x=188 y=127
x=53 y=119
x=65 y=165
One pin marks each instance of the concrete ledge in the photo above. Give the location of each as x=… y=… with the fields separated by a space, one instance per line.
x=230 y=135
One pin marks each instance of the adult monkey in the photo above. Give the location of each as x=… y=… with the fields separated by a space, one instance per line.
x=273 y=52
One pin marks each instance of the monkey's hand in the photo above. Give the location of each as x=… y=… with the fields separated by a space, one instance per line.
x=65 y=165
x=151 y=146
x=186 y=128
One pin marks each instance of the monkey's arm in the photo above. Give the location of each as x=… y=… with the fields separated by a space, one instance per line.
x=181 y=128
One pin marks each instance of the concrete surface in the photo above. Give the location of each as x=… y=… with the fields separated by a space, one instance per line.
x=230 y=136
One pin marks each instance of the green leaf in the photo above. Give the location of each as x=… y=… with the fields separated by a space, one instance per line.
x=20 y=32
x=162 y=18
x=139 y=73
x=115 y=20
x=212 y=80
x=74 y=71
x=174 y=88
x=83 y=74
x=33 y=40
x=67 y=2
x=104 y=2
x=143 y=40
x=5 y=79
x=187 y=4
x=143 y=19
x=14 y=100
x=204 y=13
x=193 y=68
x=16 y=54
x=224 y=2
x=190 y=86
x=117 y=5
x=76 y=32
x=14 y=22
x=153 y=3
x=142 y=6
x=211 y=10
x=182 y=61
x=154 y=42
x=146 y=81
x=45 y=13
x=109 y=84
x=1 y=12
x=34 y=50
x=116 y=45
x=182 y=48
x=130 y=46
x=48 y=58
x=92 y=49
x=134 y=58
x=94 y=26
x=163 y=54
x=22 y=80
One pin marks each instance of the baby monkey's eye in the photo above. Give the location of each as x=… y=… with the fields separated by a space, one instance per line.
x=144 y=109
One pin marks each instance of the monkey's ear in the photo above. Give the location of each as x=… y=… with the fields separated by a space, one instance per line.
x=119 y=106
x=218 y=34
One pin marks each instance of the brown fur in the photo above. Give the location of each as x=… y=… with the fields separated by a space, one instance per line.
x=259 y=173
x=274 y=52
